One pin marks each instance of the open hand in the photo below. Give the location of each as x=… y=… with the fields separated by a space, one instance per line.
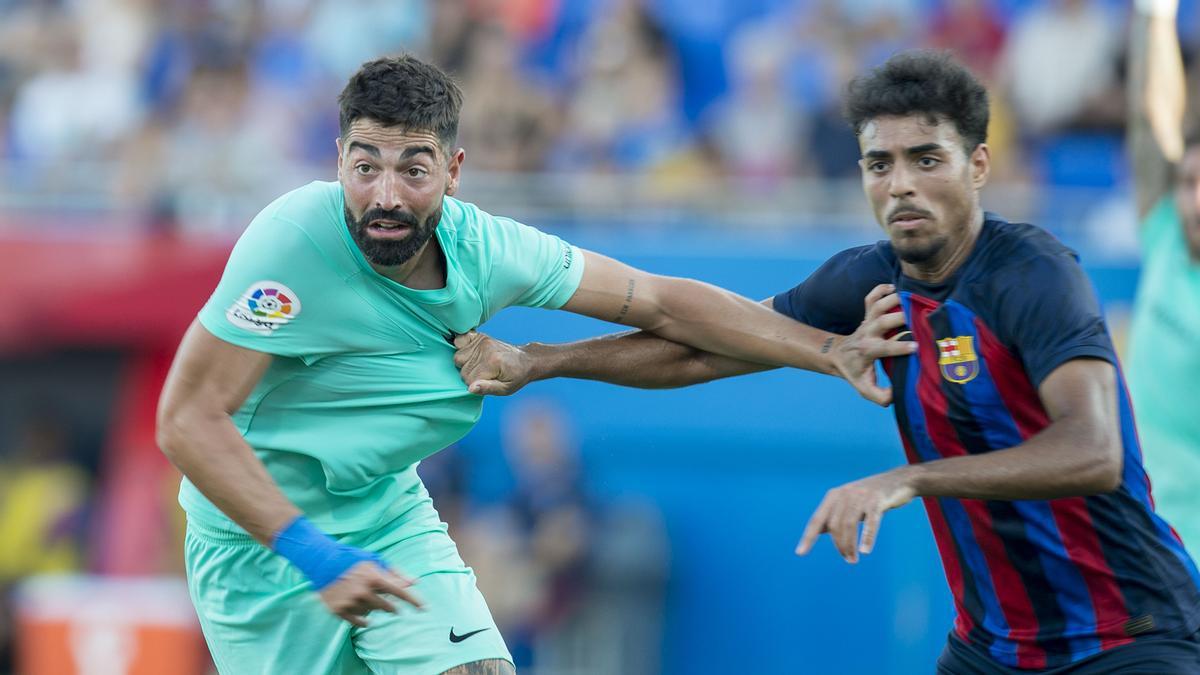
x=863 y=501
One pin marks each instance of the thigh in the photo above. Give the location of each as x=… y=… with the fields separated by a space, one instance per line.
x=454 y=628
x=488 y=667
x=258 y=613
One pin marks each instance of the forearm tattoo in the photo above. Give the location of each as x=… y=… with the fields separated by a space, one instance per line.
x=628 y=302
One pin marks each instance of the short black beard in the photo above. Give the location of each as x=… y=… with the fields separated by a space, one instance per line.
x=385 y=252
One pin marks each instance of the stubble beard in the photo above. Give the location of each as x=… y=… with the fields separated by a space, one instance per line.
x=919 y=252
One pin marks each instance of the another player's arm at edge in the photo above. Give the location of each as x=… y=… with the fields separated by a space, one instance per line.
x=208 y=381
x=1156 y=95
x=1079 y=453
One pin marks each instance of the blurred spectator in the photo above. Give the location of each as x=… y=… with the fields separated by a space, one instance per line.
x=71 y=108
x=345 y=33
x=903 y=15
x=1059 y=66
x=884 y=30
x=525 y=20
x=532 y=551
x=972 y=30
x=508 y=123
x=621 y=630
x=43 y=495
x=452 y=29
x=833 y=145
x=192 y=37
x=623 y=112
x=233 y=148
x=758 y=129
x=289 y=85
x=575 y=586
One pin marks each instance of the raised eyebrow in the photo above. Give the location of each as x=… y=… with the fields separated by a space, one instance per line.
x=365 y=147
x=415 y=150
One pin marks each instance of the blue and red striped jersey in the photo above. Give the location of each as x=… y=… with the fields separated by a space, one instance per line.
x=1036 y=584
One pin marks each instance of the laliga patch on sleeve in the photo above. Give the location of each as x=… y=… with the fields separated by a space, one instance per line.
x=264 y=308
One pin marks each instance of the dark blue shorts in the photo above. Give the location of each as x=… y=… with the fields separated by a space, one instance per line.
x=1149 y=656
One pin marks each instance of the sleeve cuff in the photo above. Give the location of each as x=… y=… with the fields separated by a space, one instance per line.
x=1036 y=377
x=570 y=281
x=782 y=303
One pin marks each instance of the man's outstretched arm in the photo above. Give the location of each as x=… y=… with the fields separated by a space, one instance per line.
x=633 y=358
x=642 y=359
x=1157 y=98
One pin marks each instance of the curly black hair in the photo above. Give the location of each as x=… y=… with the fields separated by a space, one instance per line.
x=402 y=91
x=918 y=82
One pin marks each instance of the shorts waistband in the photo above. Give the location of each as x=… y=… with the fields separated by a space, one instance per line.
x=219 y=535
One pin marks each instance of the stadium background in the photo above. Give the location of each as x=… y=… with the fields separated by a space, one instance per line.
x=614 y=531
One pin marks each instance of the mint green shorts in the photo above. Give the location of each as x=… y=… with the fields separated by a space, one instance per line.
x=259 y=614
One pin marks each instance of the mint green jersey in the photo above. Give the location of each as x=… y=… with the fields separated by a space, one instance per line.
x=363 y=384
x=1164 y=369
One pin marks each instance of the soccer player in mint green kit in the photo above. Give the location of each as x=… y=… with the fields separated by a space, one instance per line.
x=1164 y=349
x=322 y=370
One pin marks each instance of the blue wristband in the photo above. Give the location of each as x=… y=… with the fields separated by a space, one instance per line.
x=316 y=554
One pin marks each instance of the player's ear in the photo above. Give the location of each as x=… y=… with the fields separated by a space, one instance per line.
x=454 y=171
x=981 y=165
x=338 y=143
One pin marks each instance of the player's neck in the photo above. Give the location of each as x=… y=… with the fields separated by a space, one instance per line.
x=425 y=271
x=952 y=257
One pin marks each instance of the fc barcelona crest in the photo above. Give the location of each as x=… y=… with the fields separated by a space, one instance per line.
x=956 y=357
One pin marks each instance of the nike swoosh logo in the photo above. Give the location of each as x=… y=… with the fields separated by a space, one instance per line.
x=464 y=636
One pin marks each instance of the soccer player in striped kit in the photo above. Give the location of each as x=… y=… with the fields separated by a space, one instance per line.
x=1013 y=411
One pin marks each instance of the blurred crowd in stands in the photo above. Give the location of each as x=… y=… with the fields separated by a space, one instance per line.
x=172 y=108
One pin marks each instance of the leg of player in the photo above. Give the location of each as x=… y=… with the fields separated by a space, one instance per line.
x=455 y=631
x=484 y=667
